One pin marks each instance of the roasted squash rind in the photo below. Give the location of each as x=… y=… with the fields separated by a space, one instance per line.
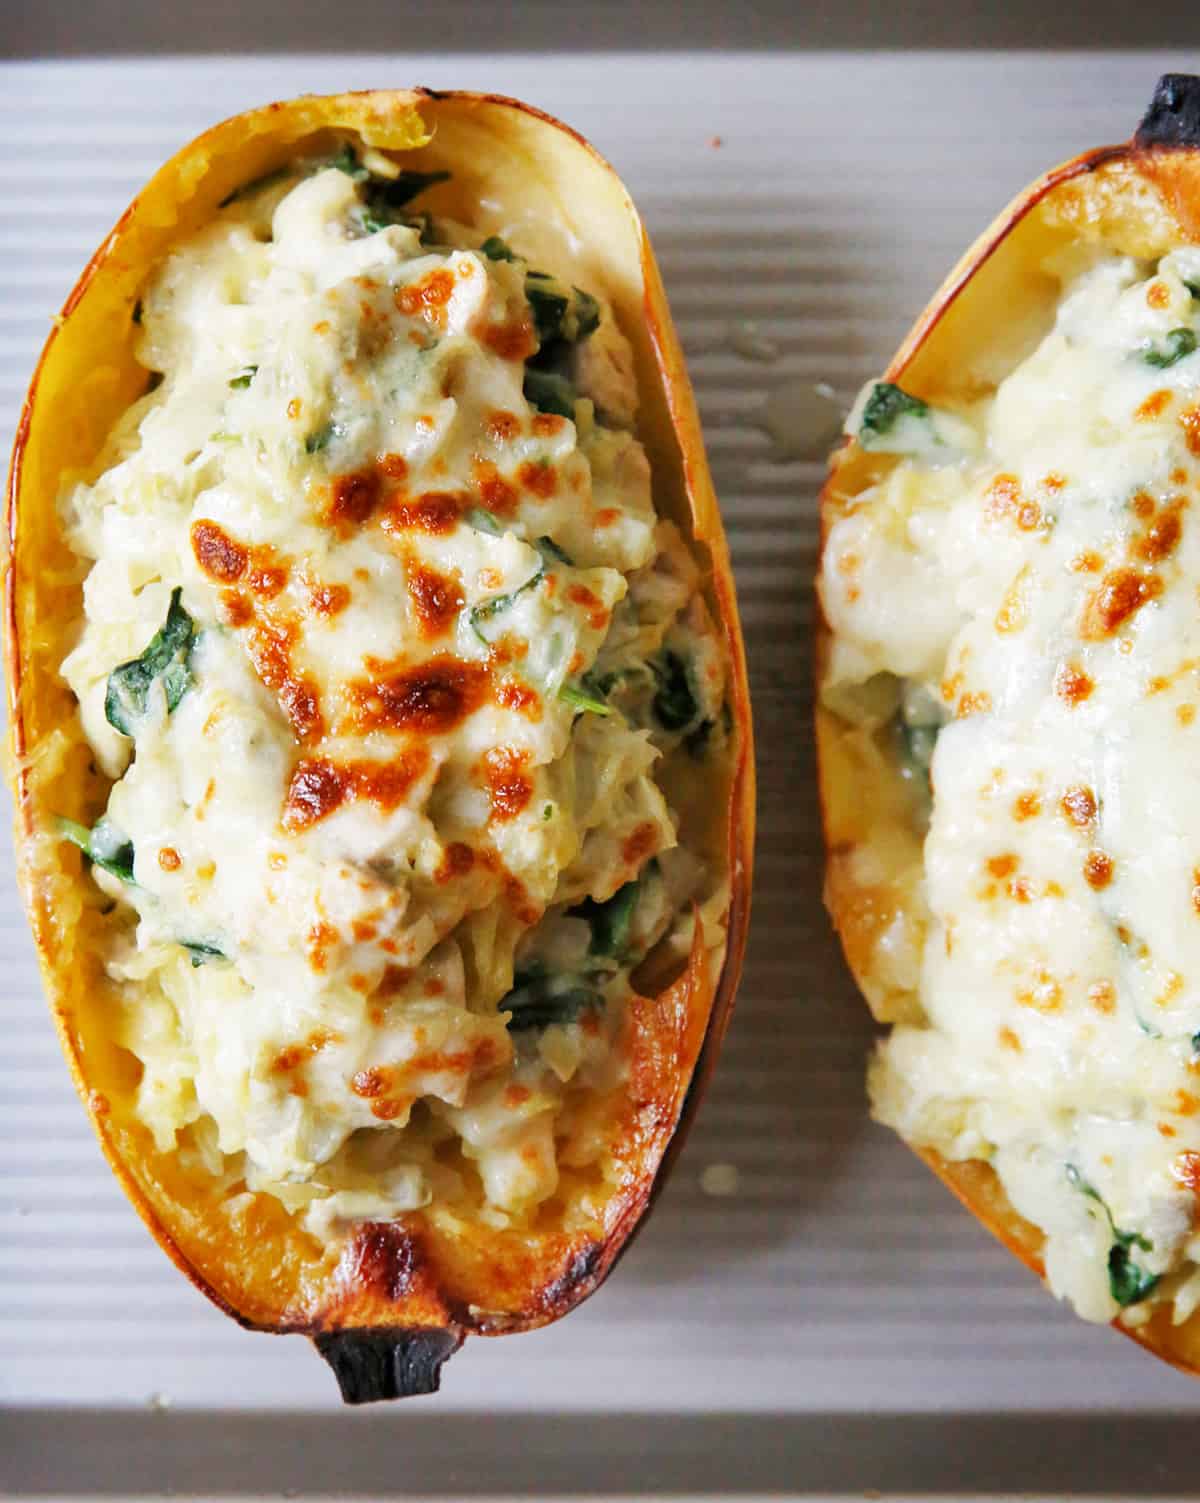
x=1142 y=198
x=389 y=1306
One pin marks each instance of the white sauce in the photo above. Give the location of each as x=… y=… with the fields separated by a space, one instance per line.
x=1046 y=590
x=360 y=964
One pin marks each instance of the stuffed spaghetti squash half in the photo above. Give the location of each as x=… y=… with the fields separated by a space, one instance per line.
x=382 y=748
x=1009 y=695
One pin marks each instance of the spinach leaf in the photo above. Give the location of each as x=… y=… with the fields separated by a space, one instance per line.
x=1178 y=344
x=919 y=742
x=549 y=391
x=347 y=161
x=551 y=552
x=1128 y=1281
x=482 y=521
x=255 y=185
x=496 y=249
x=498 y=604
x=611 y=920
x=913 y=747
x=581 y=700
x=201 y=952
x=168 y=657
x=886 y=405
x=562 y=317
x=674 y=703
x=385 y=198
x=547 y=303
x=560 y=311
x=104 y=846
x=244 y=380
x=395 y=192
x=321 y=438
x=587 y=314
x=537 y=1001
x=1193 y=288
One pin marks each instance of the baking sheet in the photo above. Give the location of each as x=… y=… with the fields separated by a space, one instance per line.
x=835 y=1324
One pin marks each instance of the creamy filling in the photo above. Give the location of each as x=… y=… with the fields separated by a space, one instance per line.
x=1014 y=609
x=384 y=648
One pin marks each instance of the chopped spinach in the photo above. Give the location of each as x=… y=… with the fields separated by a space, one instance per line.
x=167 y=657
x=537 y=1001
x=563 y=316
x=913 y=748
x=551 y=552
x=496 y=249
x=1133 y=953
x=394 y=192
x=321 y=438
x=243 y=380
x=255 y=185
x=498 y=604
x=1127 y=1280
x=559 y=310
x=384 y=199
x=549 y=391
x=347 y=161
x=674 y=703
x=611 y=920
x=103 y=845
x=919 y=741
x=581 y=700
x=1176 y=346
x=886 y=405
x=587 y=313
x=202 y=952
x=1193 y=288
x=482 y=521
x=547 y=303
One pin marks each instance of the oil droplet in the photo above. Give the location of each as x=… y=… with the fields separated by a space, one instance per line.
x=746 y=341
x=719 y=1180
x=803 y=419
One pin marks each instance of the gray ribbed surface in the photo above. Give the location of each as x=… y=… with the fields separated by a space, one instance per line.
x=840 y=1277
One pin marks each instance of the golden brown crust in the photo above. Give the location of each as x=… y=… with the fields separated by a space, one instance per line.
x=425 y=1270
x=1140 y=202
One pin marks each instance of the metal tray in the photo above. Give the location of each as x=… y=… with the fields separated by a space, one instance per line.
x=837 y=1323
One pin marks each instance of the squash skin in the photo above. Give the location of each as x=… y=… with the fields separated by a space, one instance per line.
x=1145 y=193
x=390 y=1305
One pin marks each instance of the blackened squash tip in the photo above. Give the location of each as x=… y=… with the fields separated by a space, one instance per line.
x=1173 y=118
x=382 y=1362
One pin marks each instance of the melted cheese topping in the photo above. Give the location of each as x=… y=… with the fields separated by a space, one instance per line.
x=401 y=769
x=1034 y=583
